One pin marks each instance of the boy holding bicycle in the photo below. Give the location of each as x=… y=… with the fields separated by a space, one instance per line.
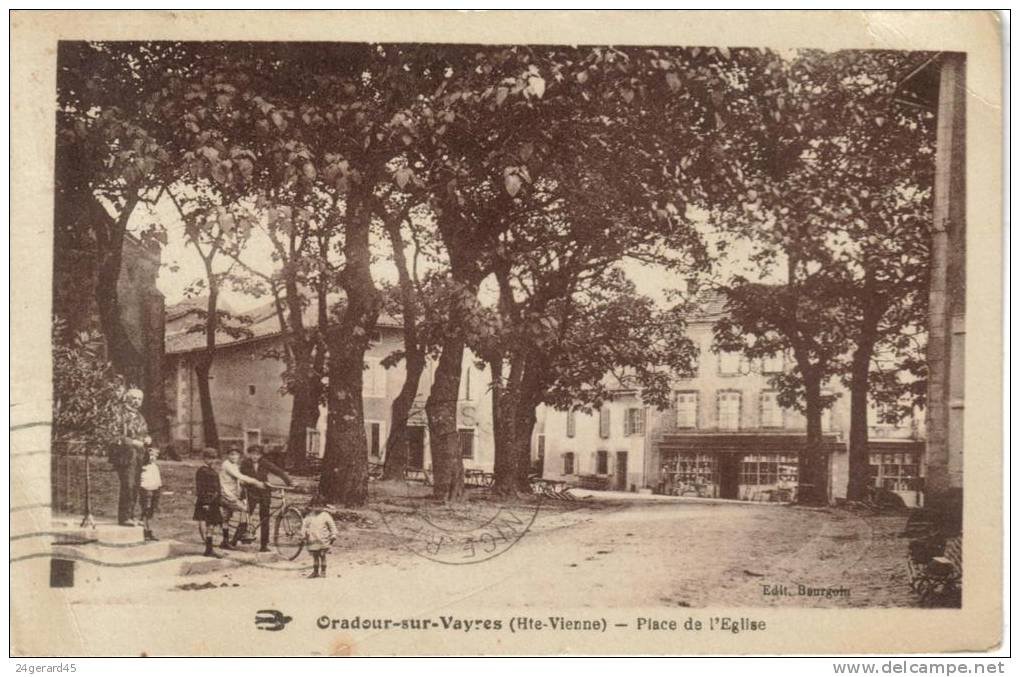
x=262 y=469
x=232 y=484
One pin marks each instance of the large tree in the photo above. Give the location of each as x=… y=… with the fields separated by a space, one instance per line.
x=315 y=127
x=111 y=157
x=534 y=154
x=835 y=229
x=874 y=198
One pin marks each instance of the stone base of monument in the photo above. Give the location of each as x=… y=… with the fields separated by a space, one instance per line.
x=90 y=555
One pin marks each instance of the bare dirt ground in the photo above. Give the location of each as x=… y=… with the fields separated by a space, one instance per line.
x=592 y=553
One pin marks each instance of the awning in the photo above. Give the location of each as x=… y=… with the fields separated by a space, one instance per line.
x=742 y=443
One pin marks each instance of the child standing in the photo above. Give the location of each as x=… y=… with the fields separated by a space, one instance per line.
x=150 y=483
x=319 y=531
x=207 y=499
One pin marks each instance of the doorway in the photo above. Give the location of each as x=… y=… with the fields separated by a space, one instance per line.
x=621 y=471
x=729 y=475
x=416 y=447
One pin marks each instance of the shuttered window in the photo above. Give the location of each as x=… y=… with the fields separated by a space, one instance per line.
x=687 y=410
x=634 y=422
x=729 y=410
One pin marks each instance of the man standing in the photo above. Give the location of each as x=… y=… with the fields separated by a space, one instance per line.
x=127 y=457
x=259 y=468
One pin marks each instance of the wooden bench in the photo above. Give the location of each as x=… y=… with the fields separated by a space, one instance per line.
x=558 y=489
x=418 y=475
x=935 y=577
x=478 y=478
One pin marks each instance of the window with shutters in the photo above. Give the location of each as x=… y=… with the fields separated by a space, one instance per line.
x=771 y=413
x=601 y=462
x=568 y=463
x=634 y=422
x=687 y=410
x=604 y=422
x=571 y=423
x=729 y=410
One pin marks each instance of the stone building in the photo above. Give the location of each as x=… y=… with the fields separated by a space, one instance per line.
x=725 y=435
x=250 y=408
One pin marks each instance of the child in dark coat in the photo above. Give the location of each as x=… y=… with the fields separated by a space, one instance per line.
x=207 y=499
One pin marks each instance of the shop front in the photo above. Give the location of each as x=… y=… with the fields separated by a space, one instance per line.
x=746 y=467
x=895 y=466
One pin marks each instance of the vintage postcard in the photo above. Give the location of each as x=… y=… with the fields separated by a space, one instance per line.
x=499 y=333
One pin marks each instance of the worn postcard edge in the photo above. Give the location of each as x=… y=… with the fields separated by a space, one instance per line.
x=42 y=623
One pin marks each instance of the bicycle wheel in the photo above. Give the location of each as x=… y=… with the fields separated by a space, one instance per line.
x=287 y=534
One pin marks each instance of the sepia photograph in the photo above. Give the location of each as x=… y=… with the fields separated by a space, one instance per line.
x=503 y=345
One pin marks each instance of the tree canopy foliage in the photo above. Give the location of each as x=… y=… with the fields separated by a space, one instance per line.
x=538 y=170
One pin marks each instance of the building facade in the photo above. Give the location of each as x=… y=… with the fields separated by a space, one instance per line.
x=250 y=407
x=725 y=435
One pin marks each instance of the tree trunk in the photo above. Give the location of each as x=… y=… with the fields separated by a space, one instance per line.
x=210 y=435
x=396 y=441
x=414 y=358
x=812 y=461
x=524 y=426
x=441 y=408
x=345 y=464
x=504 y=409
x=304 y=414
x=860 y=475
x=120 y=351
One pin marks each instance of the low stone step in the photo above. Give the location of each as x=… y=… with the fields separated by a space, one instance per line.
x=67 y=530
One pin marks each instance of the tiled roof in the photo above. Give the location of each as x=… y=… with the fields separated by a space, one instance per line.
x=193 y=304
x=264 y=325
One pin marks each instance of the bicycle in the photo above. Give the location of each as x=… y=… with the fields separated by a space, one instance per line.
x=286 y=521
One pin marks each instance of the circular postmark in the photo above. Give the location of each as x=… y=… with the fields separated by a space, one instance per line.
x=470 y=531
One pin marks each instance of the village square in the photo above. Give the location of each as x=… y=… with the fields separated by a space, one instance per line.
x=621 y=327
